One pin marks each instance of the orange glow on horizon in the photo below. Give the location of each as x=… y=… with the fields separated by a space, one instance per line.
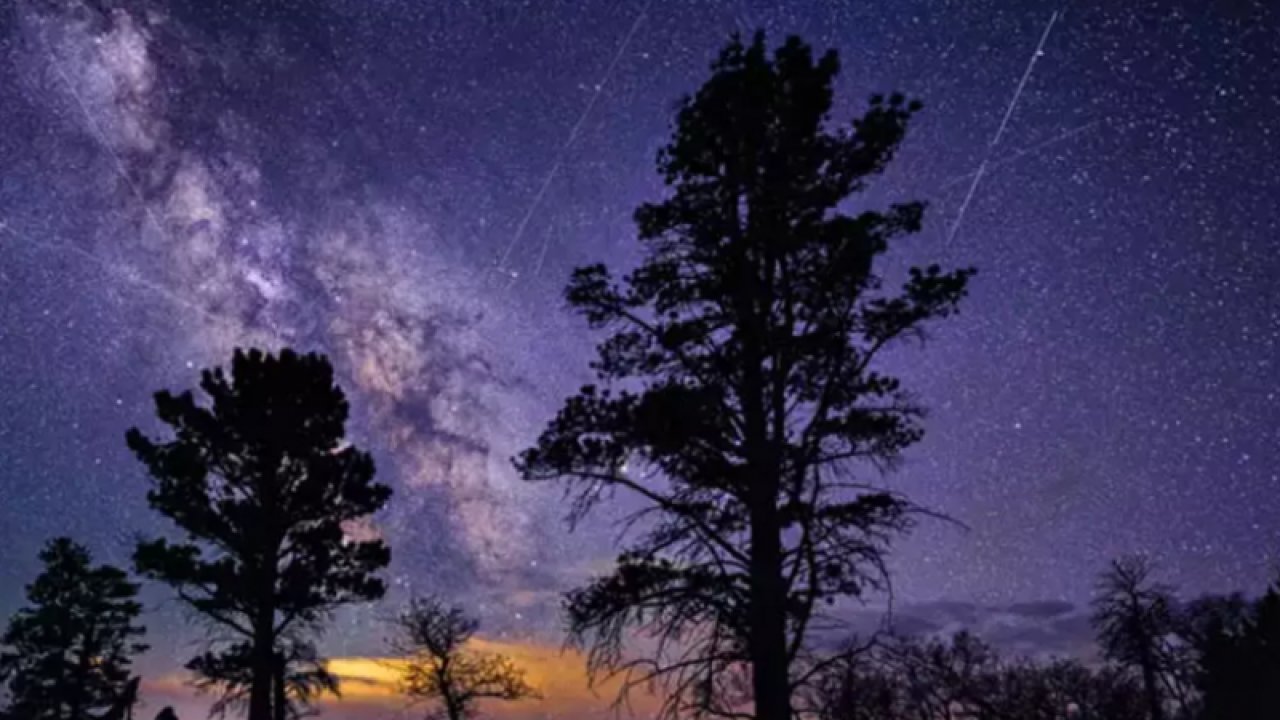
x=559 y=676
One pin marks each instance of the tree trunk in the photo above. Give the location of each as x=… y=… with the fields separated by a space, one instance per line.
x=263 y=668
x=281 y=698
x=1151 y=684
x=770 y=674
x=767 y=642
x=264 y=621
x=454 y=709
x=78 y=694
x=767 y=637
x=453 y=706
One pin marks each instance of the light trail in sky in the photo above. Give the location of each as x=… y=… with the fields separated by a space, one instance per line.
x=568 y=144
x=99 y=137
x=1029 y=150
x=1004 y=122
x=129 y=275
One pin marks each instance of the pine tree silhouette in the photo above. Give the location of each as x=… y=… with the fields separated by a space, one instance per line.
x=263 y=485
x=67 y=655
x=739 y=393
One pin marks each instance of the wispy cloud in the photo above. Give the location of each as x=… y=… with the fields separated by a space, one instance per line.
x=1032 y=629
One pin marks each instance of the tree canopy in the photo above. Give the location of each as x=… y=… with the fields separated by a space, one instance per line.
x=436 y=665
x=1134 y=619
x=67 y=655
x=264 y=486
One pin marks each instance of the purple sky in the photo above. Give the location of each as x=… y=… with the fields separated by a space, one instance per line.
x=406 y=185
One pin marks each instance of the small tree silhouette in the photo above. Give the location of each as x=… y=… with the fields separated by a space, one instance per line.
x=1134 y=618
x=66 y=656
x=264 y=486
x=431 y=638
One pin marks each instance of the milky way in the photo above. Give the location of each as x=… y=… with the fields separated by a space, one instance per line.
x=406 y=185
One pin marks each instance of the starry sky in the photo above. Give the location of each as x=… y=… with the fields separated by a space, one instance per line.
x=405 y=185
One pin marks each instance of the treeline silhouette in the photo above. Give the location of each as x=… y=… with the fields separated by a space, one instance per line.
x=1211 y=658
x=739 y=402
x=1217 y=657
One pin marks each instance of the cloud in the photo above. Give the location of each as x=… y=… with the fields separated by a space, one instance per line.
x=1033 y=629
x=1042 y=609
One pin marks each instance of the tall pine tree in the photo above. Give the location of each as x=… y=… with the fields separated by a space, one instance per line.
x=264 y=486
x=67 y=655
x=739 y=397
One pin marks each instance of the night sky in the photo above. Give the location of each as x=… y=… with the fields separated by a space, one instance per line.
x=406 y=185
